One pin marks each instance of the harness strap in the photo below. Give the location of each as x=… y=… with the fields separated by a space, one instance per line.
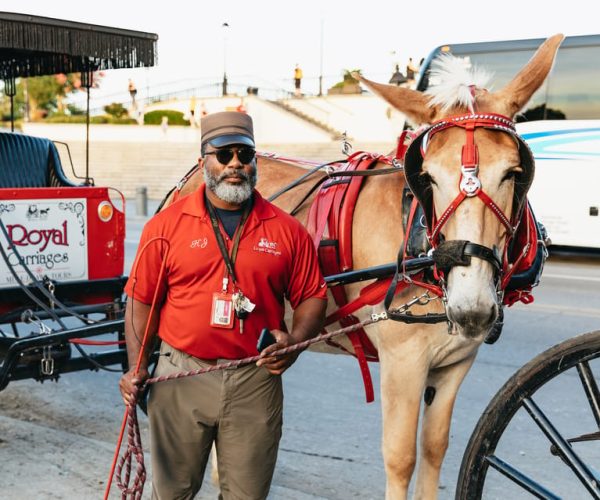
x=301 y=179
x=433 y=237
x=398 y=280
x=459 y=252
x=317 y=219
x=370 y=295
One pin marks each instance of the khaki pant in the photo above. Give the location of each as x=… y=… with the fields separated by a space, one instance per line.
x=238 y=409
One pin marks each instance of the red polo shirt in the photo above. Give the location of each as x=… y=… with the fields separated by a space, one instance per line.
x=276 y=259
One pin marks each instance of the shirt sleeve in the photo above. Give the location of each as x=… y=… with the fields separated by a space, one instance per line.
x=307 y=280
x=146 y=270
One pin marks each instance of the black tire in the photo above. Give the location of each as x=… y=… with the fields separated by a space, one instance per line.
x=512 y=412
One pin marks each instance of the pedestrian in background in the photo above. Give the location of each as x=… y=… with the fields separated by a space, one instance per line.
x=193 y=111
x=411 y=71
x=297 y=81
x=132 y=92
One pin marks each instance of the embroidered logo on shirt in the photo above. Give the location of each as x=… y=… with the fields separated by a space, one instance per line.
x=199 y=243
x=266 y=246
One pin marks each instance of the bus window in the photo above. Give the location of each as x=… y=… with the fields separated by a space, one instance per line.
x=573 y=84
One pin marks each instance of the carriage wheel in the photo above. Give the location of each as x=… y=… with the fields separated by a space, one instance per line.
x=539 y=434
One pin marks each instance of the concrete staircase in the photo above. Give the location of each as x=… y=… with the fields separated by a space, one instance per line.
x=334 y=133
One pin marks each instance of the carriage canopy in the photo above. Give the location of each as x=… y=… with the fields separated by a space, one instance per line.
x=35 y=46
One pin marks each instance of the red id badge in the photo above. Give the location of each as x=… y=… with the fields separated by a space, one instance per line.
x=221 y=315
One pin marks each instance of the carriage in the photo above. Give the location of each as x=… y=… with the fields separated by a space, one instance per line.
x=92 y=294
x=62 y=253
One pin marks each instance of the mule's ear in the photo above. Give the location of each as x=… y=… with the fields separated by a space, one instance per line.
x=414 y=104
x=515 y=95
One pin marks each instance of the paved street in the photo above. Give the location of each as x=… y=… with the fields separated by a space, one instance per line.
x=57 y=439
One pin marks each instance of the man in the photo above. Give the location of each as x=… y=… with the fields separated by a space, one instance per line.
x=132 y=91
x=231 y=258
x=297 y=80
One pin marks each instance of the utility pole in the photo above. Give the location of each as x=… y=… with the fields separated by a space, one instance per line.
x=321 y=61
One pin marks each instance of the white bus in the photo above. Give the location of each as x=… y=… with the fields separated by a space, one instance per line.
x=561 y=124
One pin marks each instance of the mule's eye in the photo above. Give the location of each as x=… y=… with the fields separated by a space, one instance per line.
x=511 y=174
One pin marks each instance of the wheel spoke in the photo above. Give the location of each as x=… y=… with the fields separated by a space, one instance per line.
x=520 y=478
x=591 y=388
x=566 y=451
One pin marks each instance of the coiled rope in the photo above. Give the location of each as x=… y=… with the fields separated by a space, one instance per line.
x=134 y=451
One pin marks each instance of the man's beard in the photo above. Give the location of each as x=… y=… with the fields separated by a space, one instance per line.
x=231 y=193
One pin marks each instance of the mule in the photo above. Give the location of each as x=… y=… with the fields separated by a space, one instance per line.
x=470 y=171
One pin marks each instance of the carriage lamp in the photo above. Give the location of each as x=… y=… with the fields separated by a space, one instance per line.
x=105 y=211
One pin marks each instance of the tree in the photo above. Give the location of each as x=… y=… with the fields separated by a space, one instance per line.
x=46 y=94
x=18 y=104
x=115 y=109
x=348 y=85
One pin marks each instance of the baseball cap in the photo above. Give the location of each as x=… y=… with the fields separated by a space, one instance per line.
x=227 y=127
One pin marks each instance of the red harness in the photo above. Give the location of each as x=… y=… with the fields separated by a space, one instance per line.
x=470 y=184
x=330 y=225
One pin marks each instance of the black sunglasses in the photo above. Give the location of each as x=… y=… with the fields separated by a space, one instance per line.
x=225 y=155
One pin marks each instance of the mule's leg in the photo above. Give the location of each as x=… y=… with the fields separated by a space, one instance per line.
x=436 y=425
x=402 y=383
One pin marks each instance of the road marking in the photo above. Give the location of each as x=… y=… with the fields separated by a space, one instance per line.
x=570 y=277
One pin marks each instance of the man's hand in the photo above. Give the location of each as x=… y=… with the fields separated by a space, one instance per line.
x=130 y=384
x=276 y=365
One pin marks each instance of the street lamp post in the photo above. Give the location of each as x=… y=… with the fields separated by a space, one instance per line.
x=225 y=26
x=321 y=62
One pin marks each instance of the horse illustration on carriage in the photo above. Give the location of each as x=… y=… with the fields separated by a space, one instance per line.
x=422 y=248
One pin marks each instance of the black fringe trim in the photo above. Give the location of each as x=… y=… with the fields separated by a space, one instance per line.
x=34 y=46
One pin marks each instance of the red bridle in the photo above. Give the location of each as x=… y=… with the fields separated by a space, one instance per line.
x=470 y=186
x=469 y=183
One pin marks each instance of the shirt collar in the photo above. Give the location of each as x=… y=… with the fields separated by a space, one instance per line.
x=194 y=205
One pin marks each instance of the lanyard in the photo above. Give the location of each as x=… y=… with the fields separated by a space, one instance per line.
x=229 y=260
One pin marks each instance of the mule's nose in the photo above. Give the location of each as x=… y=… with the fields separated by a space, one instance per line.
x=473 y=321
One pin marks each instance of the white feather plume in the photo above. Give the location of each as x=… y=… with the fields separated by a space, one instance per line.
x=449 y=81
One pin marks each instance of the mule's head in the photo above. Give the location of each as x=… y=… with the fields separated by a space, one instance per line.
x=470 y=171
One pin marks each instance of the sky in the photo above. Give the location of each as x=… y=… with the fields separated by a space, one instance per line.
x=264 y=40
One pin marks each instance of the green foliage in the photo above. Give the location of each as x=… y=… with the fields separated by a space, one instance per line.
x=62 y=118
x=44 y=91
x=74 y=110
x=46 y=94
x=348 y=85
x=18 y=104
x=115 y=109
x=155 y=117
x=348 y=78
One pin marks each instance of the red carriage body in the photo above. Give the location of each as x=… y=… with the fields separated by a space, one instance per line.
x=62 y=244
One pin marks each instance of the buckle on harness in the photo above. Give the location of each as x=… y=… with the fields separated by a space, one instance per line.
x=379 y=316
x=469 y=182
